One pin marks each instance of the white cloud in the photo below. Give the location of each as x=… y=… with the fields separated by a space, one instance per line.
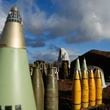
x=89 y=18
x=2 y=17
x=74 y=20
x=73 y=54
x=50 y=54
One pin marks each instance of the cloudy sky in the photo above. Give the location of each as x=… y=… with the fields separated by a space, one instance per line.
x=76 y=25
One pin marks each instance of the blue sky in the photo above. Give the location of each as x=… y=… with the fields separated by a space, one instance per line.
x=76 y=25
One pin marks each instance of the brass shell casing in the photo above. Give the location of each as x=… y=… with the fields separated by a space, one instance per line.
x=12 y=35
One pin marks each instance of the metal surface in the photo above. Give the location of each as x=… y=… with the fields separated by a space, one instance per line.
x=92 y=89
x=12 y=35
x=84 y=86
x=51 y=93
x=76 y=92
x=84 y=66
x=98 y=83
x=77 y=67
x=84 y=90
x=15 y=82
x=14 y=15
x=38 y=87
